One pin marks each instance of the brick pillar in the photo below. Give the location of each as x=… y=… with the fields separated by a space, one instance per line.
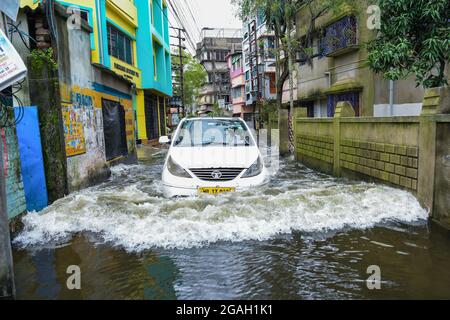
x=43 y=37
x=344 y=109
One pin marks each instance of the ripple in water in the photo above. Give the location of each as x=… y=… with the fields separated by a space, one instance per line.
x=130 y=211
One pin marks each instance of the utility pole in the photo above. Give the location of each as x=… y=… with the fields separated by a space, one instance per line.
x=7 y=288
x=258 y=82
x=180 y=47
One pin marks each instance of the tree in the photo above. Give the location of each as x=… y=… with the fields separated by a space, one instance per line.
x=280 y=16
x=217 y=111
x=194 y=77
x=414 y=39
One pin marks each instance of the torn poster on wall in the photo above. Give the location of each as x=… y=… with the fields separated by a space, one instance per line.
x=12 y=68
x=73 y=130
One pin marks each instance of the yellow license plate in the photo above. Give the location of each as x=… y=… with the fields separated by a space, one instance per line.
x=216 y=190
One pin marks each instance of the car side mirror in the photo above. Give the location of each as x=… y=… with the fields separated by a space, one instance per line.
x=164 y=140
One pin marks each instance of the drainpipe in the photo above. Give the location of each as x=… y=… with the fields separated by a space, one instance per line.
x=391 y=97
x=328 y=75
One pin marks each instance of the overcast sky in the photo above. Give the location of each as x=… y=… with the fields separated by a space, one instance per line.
x=215 y=13
x=206 y=13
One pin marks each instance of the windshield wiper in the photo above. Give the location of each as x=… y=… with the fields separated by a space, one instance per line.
x=212 y=143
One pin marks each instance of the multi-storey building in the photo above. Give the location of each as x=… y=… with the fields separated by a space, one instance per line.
x=236 y=67
x=212 y=53
x=110 y=86
x=340 y=72
x=131 y=39
x=259 y=63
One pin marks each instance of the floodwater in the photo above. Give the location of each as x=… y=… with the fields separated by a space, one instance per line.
x=303 y=236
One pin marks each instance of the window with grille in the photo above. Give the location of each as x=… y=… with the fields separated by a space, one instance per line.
x=352 y=97
x=340 y=35
x=119 y=45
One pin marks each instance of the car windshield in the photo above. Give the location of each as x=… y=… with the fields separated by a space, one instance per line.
x=213 y=132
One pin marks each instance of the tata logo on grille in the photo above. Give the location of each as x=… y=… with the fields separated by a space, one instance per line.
x=216 y=174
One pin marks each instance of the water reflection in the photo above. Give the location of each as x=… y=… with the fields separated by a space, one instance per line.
x=298 y=266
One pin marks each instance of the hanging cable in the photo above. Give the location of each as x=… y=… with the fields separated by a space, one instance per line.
x=7 y=116
x=13 y=29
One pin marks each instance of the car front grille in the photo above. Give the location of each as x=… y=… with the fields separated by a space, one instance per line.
x=220 y=174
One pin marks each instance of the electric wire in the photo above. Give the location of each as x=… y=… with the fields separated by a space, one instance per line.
x=7 y=117
x=193 y=18
x=188 y=22
x=180 y=21
x=10 y=100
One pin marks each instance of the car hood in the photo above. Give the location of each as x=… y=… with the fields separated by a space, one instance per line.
x=214 y=157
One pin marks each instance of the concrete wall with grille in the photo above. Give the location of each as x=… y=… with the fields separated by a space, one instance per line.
x=405 y=152
x=384 y=149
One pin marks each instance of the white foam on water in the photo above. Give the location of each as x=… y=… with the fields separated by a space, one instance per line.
x=136 y=220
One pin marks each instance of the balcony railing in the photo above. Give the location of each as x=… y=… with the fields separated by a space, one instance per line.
x=340 y=36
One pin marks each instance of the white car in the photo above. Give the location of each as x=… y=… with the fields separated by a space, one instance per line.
x=212 y=155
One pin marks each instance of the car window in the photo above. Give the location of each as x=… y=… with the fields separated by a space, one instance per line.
x=213 y=132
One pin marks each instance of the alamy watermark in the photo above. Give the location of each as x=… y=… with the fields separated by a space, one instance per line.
x=374 y=280
x=374 y=18
x=74 y=280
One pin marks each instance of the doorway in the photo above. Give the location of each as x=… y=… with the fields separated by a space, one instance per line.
x=114 y=129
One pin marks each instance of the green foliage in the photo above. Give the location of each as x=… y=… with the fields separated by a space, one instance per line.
x=217 y=111
x=40 y=58
x=269 y=111
x=194 y=77
x=414 y=39
x=269 y=106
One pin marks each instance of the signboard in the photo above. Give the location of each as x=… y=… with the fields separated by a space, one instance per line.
x=127 y=71
x=221 y=103
x=12 y=68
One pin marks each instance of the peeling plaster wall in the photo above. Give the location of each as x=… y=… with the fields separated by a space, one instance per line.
x=82 y=88
x=82 y=117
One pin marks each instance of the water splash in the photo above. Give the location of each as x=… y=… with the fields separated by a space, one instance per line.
x=129 y=211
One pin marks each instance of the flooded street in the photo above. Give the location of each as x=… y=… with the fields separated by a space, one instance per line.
x=303 y=236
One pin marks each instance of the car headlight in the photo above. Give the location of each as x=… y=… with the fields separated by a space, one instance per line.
x=176 y=170
x=255 y=169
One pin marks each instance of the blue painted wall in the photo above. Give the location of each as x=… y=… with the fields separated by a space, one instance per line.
x=32 y=162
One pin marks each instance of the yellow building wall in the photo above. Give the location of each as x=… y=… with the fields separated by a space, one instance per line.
x=67 y=92
x=125 y=8
x=140 y=112
x=120 y=21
